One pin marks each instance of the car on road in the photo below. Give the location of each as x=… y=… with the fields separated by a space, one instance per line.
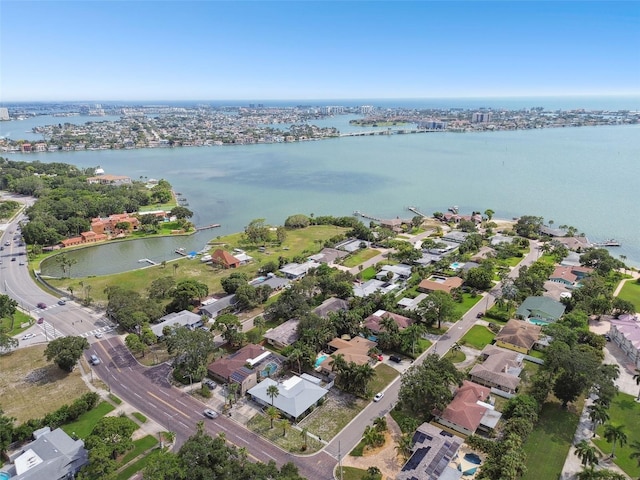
x=62 y=302
x=378 y=397
x=42 y=305
x=94 y=360
x=13 y=259
x=480 y=315
x=6 y=244
x=21 y=263
x=28 y=336
x=98 y=335
x=210 y=383
x=210 y=413
x=40 y=321
x=395 y=358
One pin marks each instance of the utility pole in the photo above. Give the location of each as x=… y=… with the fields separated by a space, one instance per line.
x=340 y=461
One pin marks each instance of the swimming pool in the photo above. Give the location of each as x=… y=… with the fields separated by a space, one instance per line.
x=456 y=265
x=319 y=360
x=4 y=476
x=469 y=463
x=537 y=321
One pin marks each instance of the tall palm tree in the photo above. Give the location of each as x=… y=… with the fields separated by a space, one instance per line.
x=598 y=414
x=405 y=443
x=296 y=356
x=259 y=322
x=615 y=434
x=305 y=437
x=286 y=426
x=273 y=414
x=272 y=392
x=587 y=453
x=636 y=377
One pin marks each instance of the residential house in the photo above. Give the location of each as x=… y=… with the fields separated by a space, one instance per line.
x=432 y=451
x=398 y=272
x=52 y=455
x=215 y=306
x=372 y=286
x=374 y=322
x=109 y=225
x=83 y=239
x=107 y=179
x=576 y=244
x=352 y=245
x=411 y=303
x=296 y=395
x=355 y=350
x=500 y=239
x=394 y=224
x=224 y=259
x=332 y=304
x=469 y=410
x=328 y=256
x=283 y=335
x=500 y=369
x=294 y=271
x=570 y=276
x=456 y=236
x=542 y=309
x=518 y=335
x=551 y=232
x=276 y=283
x=625 y=332
x=177 y=319
x=439 y=283
x=244 y=366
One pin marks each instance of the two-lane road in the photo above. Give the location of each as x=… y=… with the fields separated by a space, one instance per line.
x=148 y=390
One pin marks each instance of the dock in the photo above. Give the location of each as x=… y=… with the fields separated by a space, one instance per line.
x=147 y=260
x=358 y=213
x=181 y=251
x=416 y=211
x=207 y=227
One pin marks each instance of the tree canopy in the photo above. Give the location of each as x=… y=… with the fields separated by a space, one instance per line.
x=66 y=351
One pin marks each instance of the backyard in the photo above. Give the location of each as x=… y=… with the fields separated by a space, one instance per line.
x=360 y=256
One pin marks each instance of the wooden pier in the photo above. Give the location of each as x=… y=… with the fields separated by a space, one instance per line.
x=416 y=211
x=207 y=227
x=143 y=260
x=358 y=213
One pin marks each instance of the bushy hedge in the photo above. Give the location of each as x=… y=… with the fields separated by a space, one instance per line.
x=65 y=414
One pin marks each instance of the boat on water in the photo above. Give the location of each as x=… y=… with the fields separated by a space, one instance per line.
x=454 y=209
x=608 y=243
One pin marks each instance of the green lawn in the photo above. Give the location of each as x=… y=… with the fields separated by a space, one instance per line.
x=631 y=293
x=384 y=376
x=140 y=417
x=624 y=411
x=139 y=447
x=350 y=473
x=468 y=301
x=360 y=256
x=478 y=337
x=83 y=426
x=368 y=273
x=19 y=319
x=292 y=441
x=137 y=466
x=455 y=357
x=548 y=445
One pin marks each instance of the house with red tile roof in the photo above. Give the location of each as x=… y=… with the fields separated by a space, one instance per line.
x=374 y=322
x=355 y=350
x=224 y=259
x=569 y=275
x=468 y=410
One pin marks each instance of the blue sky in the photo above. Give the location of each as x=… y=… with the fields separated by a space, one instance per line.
x=164 y=50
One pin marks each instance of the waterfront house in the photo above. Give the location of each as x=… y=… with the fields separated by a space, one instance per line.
x=224 y=259
x=518 y=335
x=296 y=395
x=569 y=275
x=543 y=309
x=625 y=332
x=115 y=223
x=469 y=410
x=295 y=271
x=107 y=179
x=84 y=238
x=328 y=256
x=432 y=451
x=500 y=368
x=52 y=455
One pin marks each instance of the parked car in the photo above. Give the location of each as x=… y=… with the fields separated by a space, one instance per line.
x=94 y=360
x=41 y=305
x=378 y=397
x=480 y=315
x=28 y=336
x=395 y=358
x=210 y=383
x=210 y=413
x=62 y=302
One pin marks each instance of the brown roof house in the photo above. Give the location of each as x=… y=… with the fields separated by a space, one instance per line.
x=373 y=322
x=518 y=335
x=244 y=366
x=355 y=350
x=439 y=283
x=501 y=369
x=224 y=259
x=468 y=410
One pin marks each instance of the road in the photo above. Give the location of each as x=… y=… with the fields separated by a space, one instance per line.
x=148 y=390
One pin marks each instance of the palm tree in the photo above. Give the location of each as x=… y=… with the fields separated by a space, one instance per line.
x=635 y=446
x=404 y=445
x=615 y=434
x=232 y=389
x=305 y=437
x=273 y=414
x=372 y=437
x=587 y=453
x=598 y=414
x=381 y=424
x=272 y=392
x=259 y=322
x=636 y=377
x=175 y=267
x=296 y=356
x=286 y=426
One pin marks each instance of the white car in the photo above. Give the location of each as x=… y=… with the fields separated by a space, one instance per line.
x=210 y=413
x=378 y=397
x=28 y=336
x=98 y=335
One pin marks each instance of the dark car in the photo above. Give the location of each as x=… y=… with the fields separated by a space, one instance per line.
x=40 y=320
x=210 y=383
x=395 y=358
x=480 y=315
x=42 y=305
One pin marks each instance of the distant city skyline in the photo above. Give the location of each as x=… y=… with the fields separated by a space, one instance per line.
x=166 y=50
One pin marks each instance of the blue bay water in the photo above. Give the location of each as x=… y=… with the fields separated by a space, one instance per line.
x=585 y=177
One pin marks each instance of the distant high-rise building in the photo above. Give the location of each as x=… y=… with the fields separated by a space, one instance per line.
x=4 y=113
x=481 y=117
x=365 y=109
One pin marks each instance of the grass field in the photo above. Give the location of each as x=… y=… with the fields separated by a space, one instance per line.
x=360 y=256
x=368 y=273
x=548 y=445
x=27 y=378
x=306 y=241
x=455 y=357
x=350 y=473
x=624 y=411
x=83 y=426
x=19 y=319
x=292 y=441
x=468 y=301
x=478 y=337
x=137 y=466
x=384 y=376
x=631 y=293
